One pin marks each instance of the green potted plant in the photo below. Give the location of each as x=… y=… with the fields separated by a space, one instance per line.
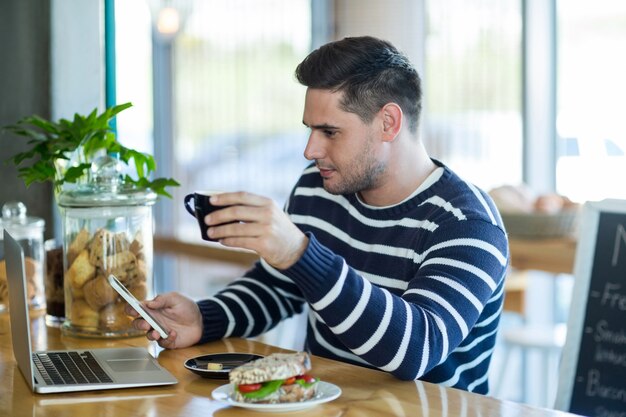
x=62 y=151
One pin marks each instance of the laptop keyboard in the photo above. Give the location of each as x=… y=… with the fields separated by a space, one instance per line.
x=62 y=368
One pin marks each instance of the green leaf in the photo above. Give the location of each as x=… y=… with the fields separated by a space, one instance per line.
x=305 y=384
x=37 y=173
x=43 y=124
x=159 y=184
x=76 y=172
x=27 y=133
x=49 y=141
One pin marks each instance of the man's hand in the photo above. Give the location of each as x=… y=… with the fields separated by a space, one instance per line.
x=179 y=314
x=259 y=225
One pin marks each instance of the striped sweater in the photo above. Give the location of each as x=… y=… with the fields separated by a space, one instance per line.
x=414 y=289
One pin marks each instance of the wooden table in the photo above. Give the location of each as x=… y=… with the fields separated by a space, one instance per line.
x=365 y=392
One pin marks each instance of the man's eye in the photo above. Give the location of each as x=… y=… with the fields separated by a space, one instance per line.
x=330 y=133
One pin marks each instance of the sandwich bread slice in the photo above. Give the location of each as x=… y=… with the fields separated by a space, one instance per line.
x=277 y=378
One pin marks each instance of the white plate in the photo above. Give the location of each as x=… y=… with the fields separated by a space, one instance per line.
x=325 y=392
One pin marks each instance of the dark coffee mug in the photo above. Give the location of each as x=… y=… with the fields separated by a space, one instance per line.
x=201 y=207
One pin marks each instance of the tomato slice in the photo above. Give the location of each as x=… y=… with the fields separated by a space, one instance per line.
x=290 y=381
x=307 y=378
x=249 y=387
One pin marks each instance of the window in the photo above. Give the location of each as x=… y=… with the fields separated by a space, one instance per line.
x=237 y=108
x=134 y=73
x=227 y=107
x=590 y=99
x=472 y=92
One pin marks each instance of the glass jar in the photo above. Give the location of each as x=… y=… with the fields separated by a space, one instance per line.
x=107 y=229
x=28 y=231
x=55 y=291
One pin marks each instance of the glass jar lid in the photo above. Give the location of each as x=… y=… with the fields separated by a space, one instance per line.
x=18 y=223
x=105 y=188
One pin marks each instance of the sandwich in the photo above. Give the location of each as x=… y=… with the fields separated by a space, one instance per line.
x=277 y=378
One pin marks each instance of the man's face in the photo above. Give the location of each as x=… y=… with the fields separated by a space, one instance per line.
x=346 y=150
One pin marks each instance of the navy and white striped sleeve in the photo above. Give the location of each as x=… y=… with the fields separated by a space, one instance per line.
x=250 y=305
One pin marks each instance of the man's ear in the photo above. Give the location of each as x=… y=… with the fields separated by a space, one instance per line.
x=392 y=117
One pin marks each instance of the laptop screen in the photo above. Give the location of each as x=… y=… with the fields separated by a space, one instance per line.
x=18 y=307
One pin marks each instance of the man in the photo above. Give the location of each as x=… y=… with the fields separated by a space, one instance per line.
x=400 y=261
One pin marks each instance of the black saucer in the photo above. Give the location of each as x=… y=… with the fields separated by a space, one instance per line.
x=198 y=365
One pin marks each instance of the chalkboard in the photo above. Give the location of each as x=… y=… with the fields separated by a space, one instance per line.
x=592 y=374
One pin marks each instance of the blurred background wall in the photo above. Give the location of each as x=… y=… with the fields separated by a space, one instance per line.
x=24 y=90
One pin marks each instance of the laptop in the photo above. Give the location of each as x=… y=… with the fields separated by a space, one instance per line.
x=71 y=370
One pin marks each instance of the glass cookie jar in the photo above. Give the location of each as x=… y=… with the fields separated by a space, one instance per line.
x=107 y=229
x=28 y=231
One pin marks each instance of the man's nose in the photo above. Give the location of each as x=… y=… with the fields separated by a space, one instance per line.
x=314 y=148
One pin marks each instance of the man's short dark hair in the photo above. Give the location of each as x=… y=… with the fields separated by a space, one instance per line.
x=370 y=72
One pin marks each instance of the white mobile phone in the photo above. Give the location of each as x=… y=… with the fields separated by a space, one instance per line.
x=134 y=303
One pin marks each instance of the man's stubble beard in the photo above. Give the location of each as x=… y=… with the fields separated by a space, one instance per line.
x=364 y=173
